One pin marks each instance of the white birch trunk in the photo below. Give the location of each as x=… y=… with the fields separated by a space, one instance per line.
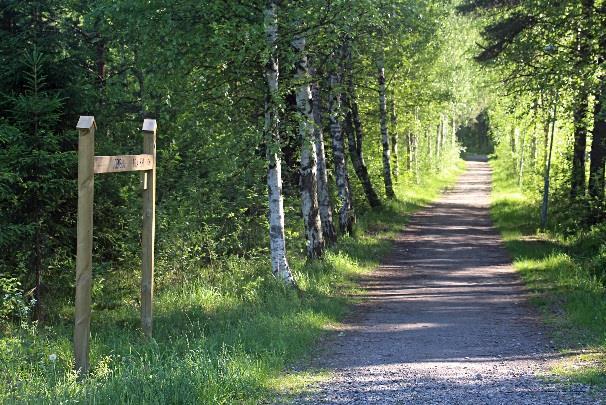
x=521 y=166
x=328 y=228
x=444 y=136
x=394 y=139
x=454 y=131
x=409 y=150
x=415 y=145
x=308 y=168
x=430 y=148
x=346 y=213
x=437 y=145
x=515 y=134
x=277 y=240
x=384 y=132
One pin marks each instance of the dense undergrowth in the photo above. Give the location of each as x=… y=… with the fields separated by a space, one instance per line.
x=224 y=335
x=565 y=272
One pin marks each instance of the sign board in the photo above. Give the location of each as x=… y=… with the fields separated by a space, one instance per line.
x=123 y=163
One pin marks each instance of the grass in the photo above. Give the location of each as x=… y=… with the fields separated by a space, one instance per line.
x=566 y=275
x=222 y=334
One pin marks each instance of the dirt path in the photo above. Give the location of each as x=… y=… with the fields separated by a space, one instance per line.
x=446 y=319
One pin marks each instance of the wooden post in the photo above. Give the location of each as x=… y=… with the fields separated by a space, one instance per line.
x=149 y=205
x=84 y=249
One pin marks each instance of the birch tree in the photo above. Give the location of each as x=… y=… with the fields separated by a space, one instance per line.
x=277 y=237
x=384 y=130
x=346 y=213
x=394 y=139
x=308 y=168
x=328 y=228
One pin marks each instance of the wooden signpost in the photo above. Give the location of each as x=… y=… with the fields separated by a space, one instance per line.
x=88 y=166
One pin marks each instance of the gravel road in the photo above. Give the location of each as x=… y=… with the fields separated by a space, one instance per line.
x=445 y=320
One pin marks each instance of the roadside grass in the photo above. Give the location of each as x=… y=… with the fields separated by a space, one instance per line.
x=565 y=274
x=222 y=334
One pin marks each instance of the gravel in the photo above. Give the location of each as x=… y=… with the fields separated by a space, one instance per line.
x=445 y=320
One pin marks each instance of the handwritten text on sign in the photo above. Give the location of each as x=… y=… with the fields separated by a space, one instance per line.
x=123 y=163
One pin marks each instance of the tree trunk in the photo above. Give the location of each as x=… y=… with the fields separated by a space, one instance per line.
x=346 y=213
x=454 y=132
x=394 y=139
x=545 y=140
x=308 y=168
x=384 y=132
x=355 y=152
x=598 y=151
x=38 y=313
x=438 y=152
x=415 y=156
x=408 y=151
x=277 y=238
x=577 y=179
x=415 y=146
x=533 y=149
x=444 y=133
x=598 y=143
x=584 y=36
x=547 y=175
x=521 y=165
x=353 y=128
x=328 y=228
x=514 y=148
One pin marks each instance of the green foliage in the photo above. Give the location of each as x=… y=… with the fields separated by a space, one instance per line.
x=223 y=333
x=566 y=274
x=197 y=67
x=36 y=192
x=13 y=304
x=475 y=136
x=224 y=327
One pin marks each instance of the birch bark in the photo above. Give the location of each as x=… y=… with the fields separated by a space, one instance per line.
x=394 y=139
x=521 y=164
x=438 y=152
x=346 y=213
x=408 y=150
x=384 y=131
x=444 y=135
x=308 y=168
x=328 y=228
x=277 y=240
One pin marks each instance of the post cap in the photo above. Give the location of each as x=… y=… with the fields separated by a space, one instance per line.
x=149 y=125
x=86 y=122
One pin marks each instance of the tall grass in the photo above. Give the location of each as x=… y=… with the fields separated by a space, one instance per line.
x=222 y=334
x=566 y=274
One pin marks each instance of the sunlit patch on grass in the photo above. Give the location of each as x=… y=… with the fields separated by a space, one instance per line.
x=587 y=368
x=561 y=273
x=224 y=333
x=294 y=382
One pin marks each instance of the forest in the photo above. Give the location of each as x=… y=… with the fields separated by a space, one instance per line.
x=294 y=140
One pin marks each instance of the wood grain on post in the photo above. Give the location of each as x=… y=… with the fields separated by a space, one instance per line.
x=84 y=249
x=148 y=237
